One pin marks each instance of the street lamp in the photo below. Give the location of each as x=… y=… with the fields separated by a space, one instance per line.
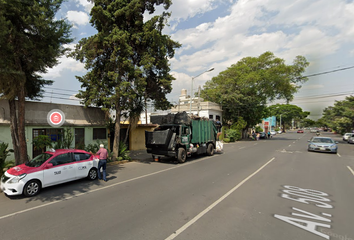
x=190 y=106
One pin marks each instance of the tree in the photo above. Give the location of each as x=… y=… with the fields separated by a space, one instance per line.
x=31 y=40
x=340 y=117
x=288 y=113
x=127 y=59
x=245 y=88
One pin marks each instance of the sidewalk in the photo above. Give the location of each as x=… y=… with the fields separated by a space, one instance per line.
x=140 y=155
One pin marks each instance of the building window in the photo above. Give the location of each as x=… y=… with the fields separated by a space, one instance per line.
x=211 y=117
x=99 y=133
x=217 y=117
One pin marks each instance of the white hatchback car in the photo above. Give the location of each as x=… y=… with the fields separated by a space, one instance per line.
x=48 y=169
x=347 y=135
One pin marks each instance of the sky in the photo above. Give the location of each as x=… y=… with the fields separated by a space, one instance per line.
x=219 y=33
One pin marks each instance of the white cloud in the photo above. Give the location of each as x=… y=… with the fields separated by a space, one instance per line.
x=184 y=9
x=78 y=18
x=65 y=63
x=86 y=4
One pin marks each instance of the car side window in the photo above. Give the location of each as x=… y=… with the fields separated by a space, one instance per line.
x=81 y=156
x=61 y=159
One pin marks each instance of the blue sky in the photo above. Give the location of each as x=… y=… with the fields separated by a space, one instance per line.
x=218 y=33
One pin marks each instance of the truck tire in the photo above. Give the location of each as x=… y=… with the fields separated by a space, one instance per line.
x=210 y=150
x=181 y=155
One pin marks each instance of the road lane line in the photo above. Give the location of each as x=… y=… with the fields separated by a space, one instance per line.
x=98 y=189
x=205 y=211
x=350 y=169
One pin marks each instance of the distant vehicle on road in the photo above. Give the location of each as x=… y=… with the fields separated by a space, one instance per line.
x=346 y=136
x=313 y=130
x=322 y=144
x=351 y=140
x=280 y=131
x=48 y=169
x=300 y=131
x=262 y=135
x=273 y=133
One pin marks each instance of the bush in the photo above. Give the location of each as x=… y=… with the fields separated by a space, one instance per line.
x=65 y=140
x=41 y=142
x=123 y=152
x=4 y=153
x=227 y=140
x=259 y=129
x=233 y=134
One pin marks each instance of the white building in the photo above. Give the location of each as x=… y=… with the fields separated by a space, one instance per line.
x=199 y=107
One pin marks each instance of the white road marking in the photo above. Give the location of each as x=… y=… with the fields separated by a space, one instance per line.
x=327 y=214
x=205 y=211
x=350 y=169
x=338 y=155
x=99 y=189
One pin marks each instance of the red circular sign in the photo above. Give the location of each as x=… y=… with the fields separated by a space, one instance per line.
x=55 y=118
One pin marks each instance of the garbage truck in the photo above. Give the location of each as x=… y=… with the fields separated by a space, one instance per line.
x=180 y=136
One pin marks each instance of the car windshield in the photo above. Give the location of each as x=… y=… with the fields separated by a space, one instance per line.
x=322 y=140
x=39 y=160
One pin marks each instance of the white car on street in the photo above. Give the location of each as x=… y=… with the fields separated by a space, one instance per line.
x=48 y=169
x=347 y=135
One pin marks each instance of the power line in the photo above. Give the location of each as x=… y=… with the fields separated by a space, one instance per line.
x=327 y=72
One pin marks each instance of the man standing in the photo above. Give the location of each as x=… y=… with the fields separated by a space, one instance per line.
x=102 y=163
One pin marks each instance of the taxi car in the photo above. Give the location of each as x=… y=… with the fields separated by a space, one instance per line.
x=322 y=144
x=48 y=169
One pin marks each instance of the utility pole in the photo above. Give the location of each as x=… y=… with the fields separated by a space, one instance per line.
x=198 y=101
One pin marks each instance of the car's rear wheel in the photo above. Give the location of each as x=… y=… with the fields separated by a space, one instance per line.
x=32 y=188
x=92 y=174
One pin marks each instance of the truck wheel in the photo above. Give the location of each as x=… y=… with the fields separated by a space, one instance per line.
x=181 y=155
x=210 y=150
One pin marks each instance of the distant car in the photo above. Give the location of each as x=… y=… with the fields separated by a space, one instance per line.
x=351 y=140
x=313 y=130
x=322 y=144
x=262 y=135
x=48 y=169
x=347 y=135
x=272 y=133
x=280 y=131
x=300 y=131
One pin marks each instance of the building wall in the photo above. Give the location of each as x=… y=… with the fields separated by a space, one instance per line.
x=5 y=136
x=137 y=137
x=36 y=118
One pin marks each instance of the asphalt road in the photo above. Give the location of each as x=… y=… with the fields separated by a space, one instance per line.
x=269 y=189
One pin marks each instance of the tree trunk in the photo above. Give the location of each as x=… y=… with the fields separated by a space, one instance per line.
x=13 y=129
x=21 y=125
x=116 y=132
x=245 y=133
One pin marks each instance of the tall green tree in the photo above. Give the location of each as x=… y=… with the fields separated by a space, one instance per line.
x=340 y=117
x=245 y=88
x=31 y=40
x=127 y=60
x=287 y=113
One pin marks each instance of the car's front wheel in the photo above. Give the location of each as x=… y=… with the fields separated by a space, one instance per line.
x=92 y=174
x=32 y=188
